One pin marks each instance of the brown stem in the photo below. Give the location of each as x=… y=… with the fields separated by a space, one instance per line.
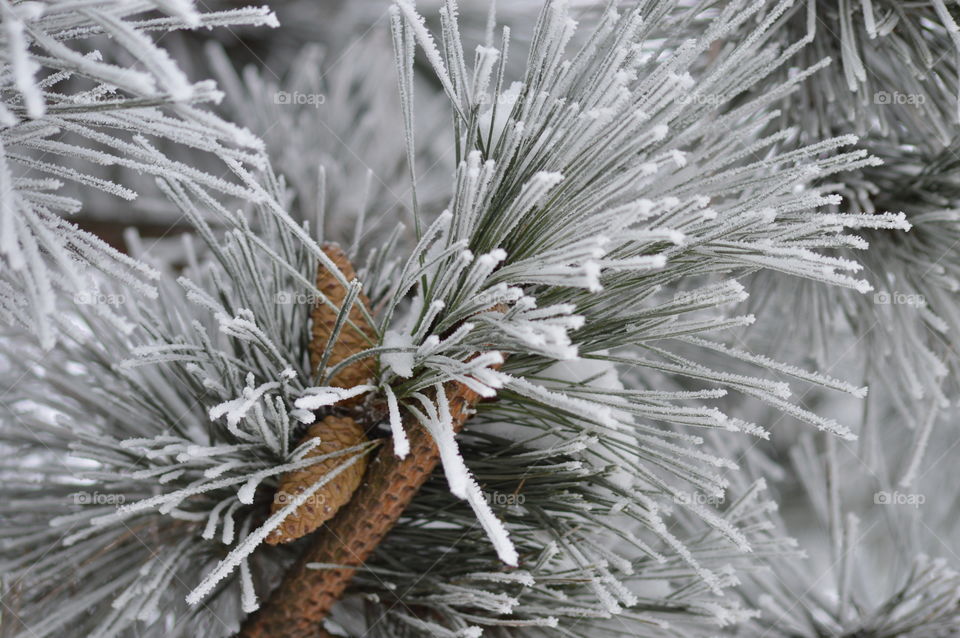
x=297 y=607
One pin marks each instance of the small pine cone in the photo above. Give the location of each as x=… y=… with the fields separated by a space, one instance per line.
x=353 y=338
x=335 y=433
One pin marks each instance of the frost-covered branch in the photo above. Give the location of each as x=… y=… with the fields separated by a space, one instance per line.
x=67 y=101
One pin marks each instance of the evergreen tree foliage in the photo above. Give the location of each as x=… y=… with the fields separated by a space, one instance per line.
x=668 y=245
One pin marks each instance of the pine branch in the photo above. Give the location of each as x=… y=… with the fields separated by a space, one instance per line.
x=66 y=106
x=598 y=224
x=114 y=232
x=298 y=606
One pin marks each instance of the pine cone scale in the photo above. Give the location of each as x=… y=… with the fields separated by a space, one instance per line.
x=355 y=335
x=335 y=433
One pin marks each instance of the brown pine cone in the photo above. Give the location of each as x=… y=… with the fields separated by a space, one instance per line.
x=355 y=335
x=335 y=433
x=298 y=606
